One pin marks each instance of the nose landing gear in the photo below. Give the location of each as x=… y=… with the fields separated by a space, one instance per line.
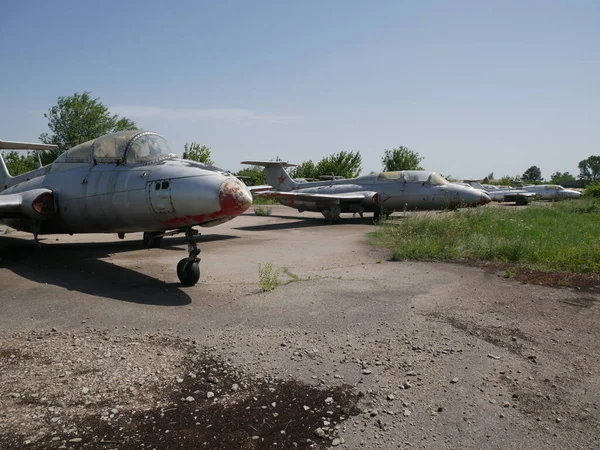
x=188 y=269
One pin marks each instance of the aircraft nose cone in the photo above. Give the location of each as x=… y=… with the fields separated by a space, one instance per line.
x=484 y=199
x=234 y=197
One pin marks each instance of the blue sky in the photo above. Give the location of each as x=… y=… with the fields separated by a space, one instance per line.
x=473 y=86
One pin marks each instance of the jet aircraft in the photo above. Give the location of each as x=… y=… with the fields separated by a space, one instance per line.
x=551 y=192
x=500 y=194
x=380 y=194
x=122 y=182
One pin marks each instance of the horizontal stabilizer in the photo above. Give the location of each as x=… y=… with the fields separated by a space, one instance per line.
x=11 y=145
x=262 y=187
x=269 y=163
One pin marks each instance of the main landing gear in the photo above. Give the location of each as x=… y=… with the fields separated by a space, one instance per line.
x=152 y=238
x=332 y=215
x=188 y=269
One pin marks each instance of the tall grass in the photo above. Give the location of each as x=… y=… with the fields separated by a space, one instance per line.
x=562 y=237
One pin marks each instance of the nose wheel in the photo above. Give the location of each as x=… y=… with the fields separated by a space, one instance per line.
x=188 y=269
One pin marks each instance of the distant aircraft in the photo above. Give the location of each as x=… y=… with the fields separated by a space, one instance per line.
x=551 y=192
x=121 y=183
x=380 y=194
x=503 y=194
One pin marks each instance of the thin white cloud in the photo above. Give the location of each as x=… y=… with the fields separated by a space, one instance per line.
x=196 y=115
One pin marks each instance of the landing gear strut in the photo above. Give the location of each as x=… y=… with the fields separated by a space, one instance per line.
x=188 y=269
x=152 y=238
x=332 y=214
x=380 y=215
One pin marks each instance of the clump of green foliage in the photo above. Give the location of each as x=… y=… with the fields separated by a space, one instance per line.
x=264 y=201
x=18 y=163
x=79 y=118
x=592 y=191
x=562 y=237
x=268 y=276
x=197 y=152
x=260 y=210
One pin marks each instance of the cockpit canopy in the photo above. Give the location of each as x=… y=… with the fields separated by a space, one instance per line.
x=130 y=147
x=414 y=176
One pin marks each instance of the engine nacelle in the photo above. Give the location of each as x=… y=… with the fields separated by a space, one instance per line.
x=372 y=198
x=38 y=204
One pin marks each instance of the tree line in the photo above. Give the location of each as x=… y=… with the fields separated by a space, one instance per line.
x=79 y=118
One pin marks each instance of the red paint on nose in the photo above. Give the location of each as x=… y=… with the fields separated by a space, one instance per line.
x=234 y=197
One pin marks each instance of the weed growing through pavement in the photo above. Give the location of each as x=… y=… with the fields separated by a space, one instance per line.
x=293 y=276
x=268 y=276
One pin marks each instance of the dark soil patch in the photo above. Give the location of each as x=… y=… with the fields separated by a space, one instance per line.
x=581 y=281
x=12 y=353
x=588 y=282
x=246 y=412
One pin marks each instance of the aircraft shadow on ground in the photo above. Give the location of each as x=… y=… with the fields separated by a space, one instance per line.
x=305 y=223
x=79 y=267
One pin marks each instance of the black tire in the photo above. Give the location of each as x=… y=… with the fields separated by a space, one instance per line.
x=188 y=272
x=151 y=239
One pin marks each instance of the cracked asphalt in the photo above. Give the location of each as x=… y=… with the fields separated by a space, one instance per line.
x=424 y=355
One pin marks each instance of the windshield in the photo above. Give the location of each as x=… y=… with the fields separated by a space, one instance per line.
x=437 y=180
x=147 y=147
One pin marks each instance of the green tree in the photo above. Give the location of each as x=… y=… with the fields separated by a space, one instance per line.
x=532 y=174
x=77 y=119
x=252 y=176
x=401 y=158
x=558 y=177
x=506 y=180
x=345 y=164
x=589 y=168
x=18 y=163
x=197 y=152
x=306 y=169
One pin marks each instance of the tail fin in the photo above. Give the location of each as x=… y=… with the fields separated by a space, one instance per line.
x=277 y=177
x=13 y=145
x=4 y=175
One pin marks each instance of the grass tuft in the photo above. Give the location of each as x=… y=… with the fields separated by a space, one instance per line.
x=562 y=237
x=268 y=276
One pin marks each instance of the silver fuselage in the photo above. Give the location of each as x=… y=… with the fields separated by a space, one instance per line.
x=393 y=195
x=113 y=198
x=552 y=192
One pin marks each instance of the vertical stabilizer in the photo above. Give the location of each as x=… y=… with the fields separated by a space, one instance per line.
x=4 y=175
x=277 y=177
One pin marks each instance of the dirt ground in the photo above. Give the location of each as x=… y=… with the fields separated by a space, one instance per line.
x=101 y=347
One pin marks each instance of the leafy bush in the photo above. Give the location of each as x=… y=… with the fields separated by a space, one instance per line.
x=263 y=210
x=593 y=190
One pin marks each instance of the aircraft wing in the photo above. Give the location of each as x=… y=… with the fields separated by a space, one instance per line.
x=518 y=196
x=36 y=204
x=351 y=197
x=263 y=187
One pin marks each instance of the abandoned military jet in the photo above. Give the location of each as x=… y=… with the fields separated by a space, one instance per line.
x=380 y=194
x=551 y=192
x=500 y=194
x=123 y=182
